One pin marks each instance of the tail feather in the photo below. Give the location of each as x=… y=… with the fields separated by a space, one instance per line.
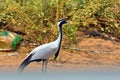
x=24 y=63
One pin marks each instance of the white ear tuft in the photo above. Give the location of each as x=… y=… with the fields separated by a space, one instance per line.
x=59 y=23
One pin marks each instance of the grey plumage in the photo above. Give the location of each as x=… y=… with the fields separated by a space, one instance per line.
x=45 y=51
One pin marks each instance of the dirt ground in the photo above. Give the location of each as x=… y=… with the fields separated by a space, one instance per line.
x=88 y=54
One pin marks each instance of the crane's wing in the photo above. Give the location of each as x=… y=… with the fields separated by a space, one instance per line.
x=44 y=51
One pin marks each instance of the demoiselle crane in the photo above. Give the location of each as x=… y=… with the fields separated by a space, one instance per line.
x=45 y=51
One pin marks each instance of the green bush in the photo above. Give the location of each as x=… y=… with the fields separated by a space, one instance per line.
x=40 y=17
x=102 y=15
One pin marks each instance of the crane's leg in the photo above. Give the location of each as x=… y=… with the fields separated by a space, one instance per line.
x=44 y=65
x=46 y=62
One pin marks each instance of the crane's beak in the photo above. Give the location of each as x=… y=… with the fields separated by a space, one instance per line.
x=65 y=21
x=69 y=22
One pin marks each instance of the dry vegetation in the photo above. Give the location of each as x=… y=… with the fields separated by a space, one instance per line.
x=80 y=45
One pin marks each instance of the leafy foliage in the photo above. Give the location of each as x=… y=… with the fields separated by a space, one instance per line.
x=40 y=17
x=98 y=14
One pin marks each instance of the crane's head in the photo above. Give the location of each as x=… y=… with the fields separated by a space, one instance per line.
x=61 y=22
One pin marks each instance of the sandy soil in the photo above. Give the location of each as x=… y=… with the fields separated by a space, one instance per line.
x=88 y=54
